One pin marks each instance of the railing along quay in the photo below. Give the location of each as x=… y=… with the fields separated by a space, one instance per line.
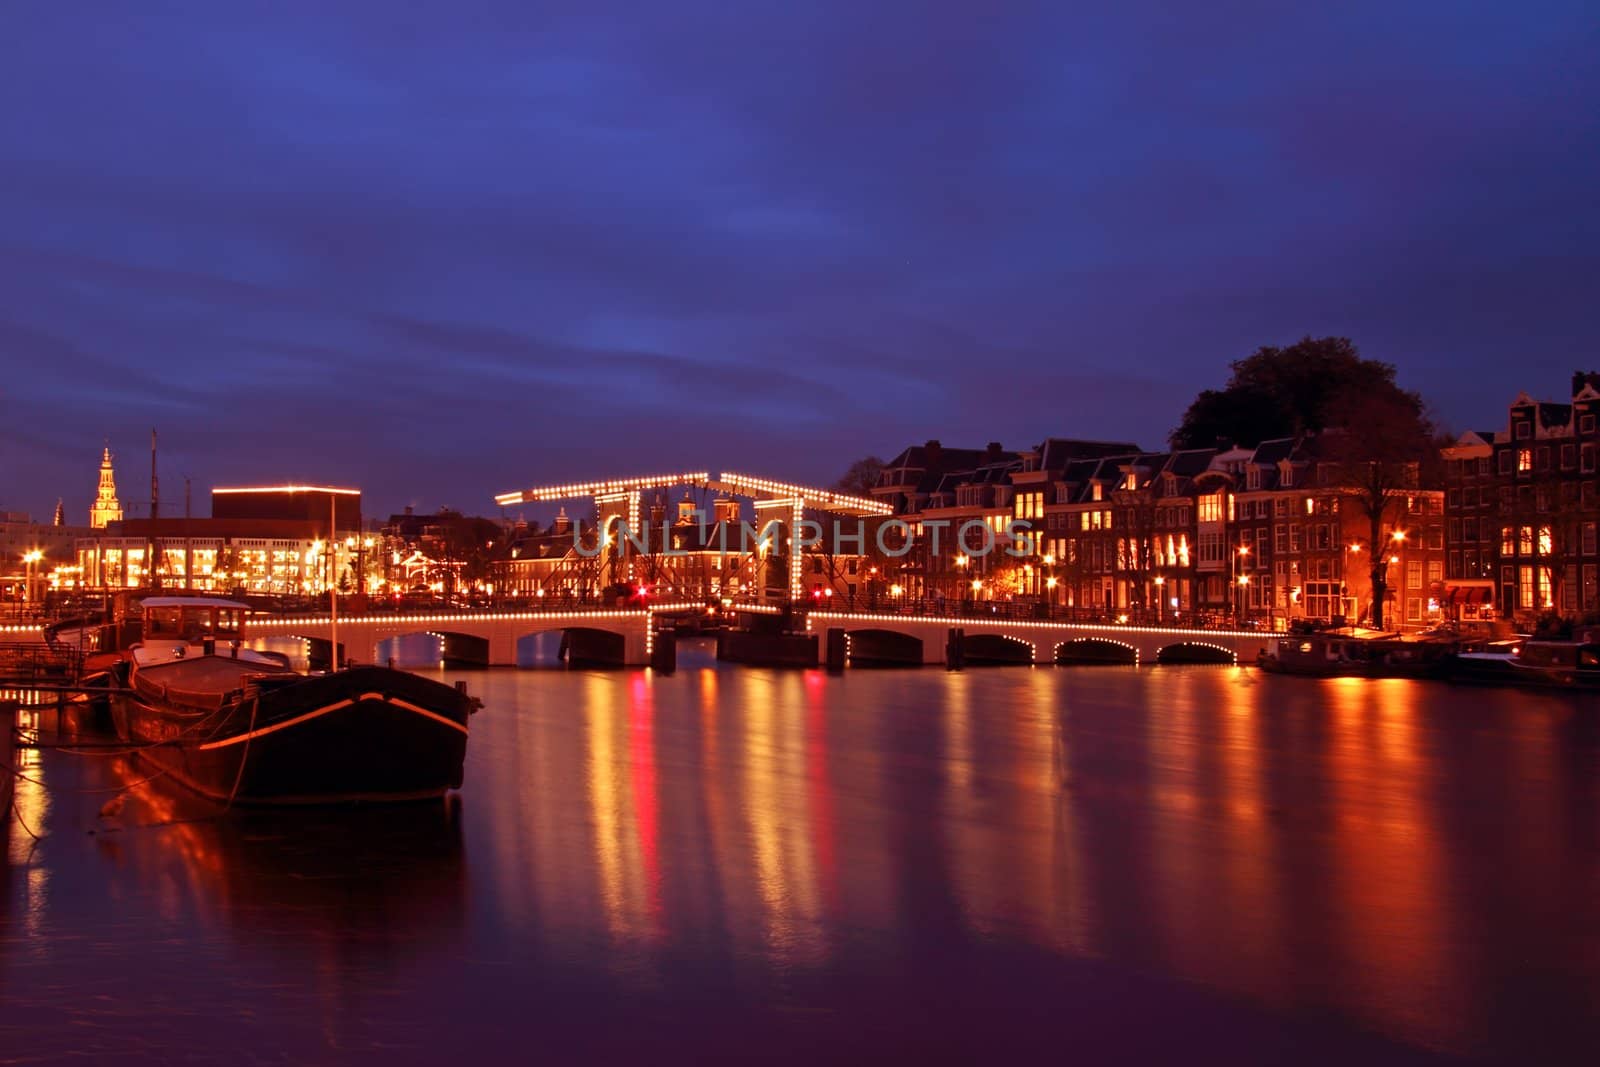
x=24 y=663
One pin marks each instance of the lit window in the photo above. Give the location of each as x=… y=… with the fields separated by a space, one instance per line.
x=1524 y=460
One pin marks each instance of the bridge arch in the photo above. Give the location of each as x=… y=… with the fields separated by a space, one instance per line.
x=1197 y=652
x=571 y=645
x=874 y=647
x=1096 y=651
x=996 y=650
x=422 y=648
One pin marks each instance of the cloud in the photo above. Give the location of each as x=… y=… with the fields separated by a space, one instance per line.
x=443 y=250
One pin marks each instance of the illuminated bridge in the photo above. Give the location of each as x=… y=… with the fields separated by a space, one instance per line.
x=890 y=639
x=621 y=500
x=615 y=637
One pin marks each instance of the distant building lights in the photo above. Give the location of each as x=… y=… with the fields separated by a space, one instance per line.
x=289 y=489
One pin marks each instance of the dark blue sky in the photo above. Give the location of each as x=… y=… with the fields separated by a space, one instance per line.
x=443 y=250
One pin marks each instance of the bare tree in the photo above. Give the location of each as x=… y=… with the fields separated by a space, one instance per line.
x=1380 y=452
x=861 y=477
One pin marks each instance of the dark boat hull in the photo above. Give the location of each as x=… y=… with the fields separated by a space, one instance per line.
x=368 y=734
x=1492 y=672
x=1273 y=665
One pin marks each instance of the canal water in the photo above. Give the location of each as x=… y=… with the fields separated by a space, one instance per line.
x=736 y=866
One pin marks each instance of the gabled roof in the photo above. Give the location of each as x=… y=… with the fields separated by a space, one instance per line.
x=1190 y=462
x=934 y=460
x=1056 y=452
x=1274 y=451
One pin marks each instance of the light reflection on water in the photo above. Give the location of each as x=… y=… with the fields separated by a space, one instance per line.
x=897 y=861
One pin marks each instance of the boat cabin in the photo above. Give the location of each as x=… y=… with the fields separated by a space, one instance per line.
x=192 y=619
x=172 y=624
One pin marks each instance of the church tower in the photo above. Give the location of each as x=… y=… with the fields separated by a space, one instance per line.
x=106 y=508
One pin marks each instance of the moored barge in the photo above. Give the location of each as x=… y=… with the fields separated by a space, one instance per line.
x=243 y=726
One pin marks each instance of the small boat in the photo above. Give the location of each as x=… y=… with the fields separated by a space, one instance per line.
x=1542 y=664
x=243 y=726
x=1352 y=651
x=1314 y=655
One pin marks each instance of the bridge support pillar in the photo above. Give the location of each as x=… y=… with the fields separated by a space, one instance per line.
x=318 y=650
x=459 y=651
x=954 y=648
x=836 y=654
x=502 y=649
x=664 y=653
x=633 y=647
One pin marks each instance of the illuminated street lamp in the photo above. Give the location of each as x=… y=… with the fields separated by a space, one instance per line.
x=31 y=559
x=1244 y=585
x=1397 y=540
x=1161 y=582
x=1240 y=577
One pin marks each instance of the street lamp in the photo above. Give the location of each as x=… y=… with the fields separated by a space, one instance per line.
x=1240 y=577
x=31 y=559
x=1161 y=582
x=1397 y=540
x=1244 y=585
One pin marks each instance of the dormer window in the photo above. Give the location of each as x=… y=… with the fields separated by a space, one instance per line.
x=1097 y=492
x=1253 y=478
x=1523 y=430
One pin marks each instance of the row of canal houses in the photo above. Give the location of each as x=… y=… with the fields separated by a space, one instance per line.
x=1506 y=525
x=1116 y=531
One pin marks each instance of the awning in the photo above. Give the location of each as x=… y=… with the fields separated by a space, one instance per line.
x=1469 y=594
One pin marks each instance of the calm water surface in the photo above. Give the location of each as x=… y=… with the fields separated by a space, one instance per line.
x=735 y=865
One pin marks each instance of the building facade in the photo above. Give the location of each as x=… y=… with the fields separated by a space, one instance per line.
x=1268 y=535
x=1523 y=506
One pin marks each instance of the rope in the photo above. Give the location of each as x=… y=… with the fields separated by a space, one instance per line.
x=16 y=813
x=245 y=756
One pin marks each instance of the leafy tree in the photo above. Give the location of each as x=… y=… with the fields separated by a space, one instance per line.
x=1287 y=392
x=861 y=477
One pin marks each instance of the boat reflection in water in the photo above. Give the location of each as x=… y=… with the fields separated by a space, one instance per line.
x=329 y=896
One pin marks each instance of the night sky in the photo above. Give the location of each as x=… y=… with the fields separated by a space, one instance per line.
x=444 y=250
